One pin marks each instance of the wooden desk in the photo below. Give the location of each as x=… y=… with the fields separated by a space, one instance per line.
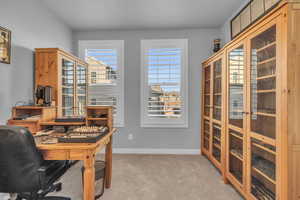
x=87 y=153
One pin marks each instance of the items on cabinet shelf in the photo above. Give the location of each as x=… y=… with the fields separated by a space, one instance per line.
x=217 y=45
x=43 y=95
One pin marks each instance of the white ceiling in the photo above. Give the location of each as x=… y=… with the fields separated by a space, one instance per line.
x=143 y=14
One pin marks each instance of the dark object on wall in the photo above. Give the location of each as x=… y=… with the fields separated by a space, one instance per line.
x=252 y=12
x=217 y=45
x=5 y=45
x=43 y=95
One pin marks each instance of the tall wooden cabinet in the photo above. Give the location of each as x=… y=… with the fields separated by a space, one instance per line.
x=214 y=85
x=67 y=75
x=261 y=107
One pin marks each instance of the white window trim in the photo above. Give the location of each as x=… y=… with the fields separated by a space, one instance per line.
x=164 y=123
x=119 y=44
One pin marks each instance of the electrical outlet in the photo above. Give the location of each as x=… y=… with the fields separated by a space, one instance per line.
x=130 y=137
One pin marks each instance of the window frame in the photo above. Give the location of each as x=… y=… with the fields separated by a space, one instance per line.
x=109 y=44
x=184 y=86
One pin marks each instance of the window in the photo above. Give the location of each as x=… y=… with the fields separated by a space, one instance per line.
x=105 y=74
x=93 y=77
x=164 y=91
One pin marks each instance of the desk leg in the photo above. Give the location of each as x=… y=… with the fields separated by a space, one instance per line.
x=108 y=161
x=89 y=177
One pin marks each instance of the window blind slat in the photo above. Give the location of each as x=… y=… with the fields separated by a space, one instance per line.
x=164 y=80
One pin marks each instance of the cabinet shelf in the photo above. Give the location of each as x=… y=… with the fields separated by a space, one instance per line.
x=265 y=47
x=237 y=156
x=266 y=77
x=218 y=139
x=266 y=61
x=265 y=91
x=264 y=175
x=264 y=114
x=217 y=145
x=236 y=136
x=264 y=148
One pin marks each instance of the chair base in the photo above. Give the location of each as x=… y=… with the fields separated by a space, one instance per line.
x=45 y=198
x=56 y=198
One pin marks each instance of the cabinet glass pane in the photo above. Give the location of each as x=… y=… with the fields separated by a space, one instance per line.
x=263 y=83
x=206 y=134
x=217 y=142
x=217 y=91
x=67 y=88
x=246 y=17
x=207 y=95
x=236 y=26
x=236 y=154
x=270 y=3
x=81 y=89
x=236 y=86
x=263 y=170
x=257 y=9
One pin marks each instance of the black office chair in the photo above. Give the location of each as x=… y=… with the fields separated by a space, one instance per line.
x=23 y=169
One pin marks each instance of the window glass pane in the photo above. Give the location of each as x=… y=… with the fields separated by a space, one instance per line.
x=81 y=89
x=236 y=86
x=103 y=77
x=102 y=66
x=67 y=88
x=164 y=82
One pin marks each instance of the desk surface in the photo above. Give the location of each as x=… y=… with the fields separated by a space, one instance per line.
x=87 y=153
x=76 y=146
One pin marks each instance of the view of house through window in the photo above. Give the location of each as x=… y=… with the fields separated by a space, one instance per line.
x=164 y=69
x=104 y=74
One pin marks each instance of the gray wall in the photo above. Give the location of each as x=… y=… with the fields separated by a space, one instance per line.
x=32 y=26
x=200 y=47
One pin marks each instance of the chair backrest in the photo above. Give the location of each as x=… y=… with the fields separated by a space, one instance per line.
x=19 y=160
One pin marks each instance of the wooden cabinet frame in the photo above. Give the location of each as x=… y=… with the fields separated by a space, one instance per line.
x=212 y=121
x=240 y=187
x=286 y=157
x=48 y=71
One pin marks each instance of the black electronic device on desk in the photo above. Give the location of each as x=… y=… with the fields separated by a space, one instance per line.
x=84 y=134
x=70 y=119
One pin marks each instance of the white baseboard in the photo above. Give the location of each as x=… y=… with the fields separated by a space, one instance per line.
x=156 y=151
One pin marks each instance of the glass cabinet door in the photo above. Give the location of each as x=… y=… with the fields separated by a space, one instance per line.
x=217 y=89
x=263 y=83
x=206 y=135
x=216 y=140
x=263 y=170
x=81 y=90
x=236 y=155
x=236 y=86
x=207 y=94
x=236 y=102
x=67 y=87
